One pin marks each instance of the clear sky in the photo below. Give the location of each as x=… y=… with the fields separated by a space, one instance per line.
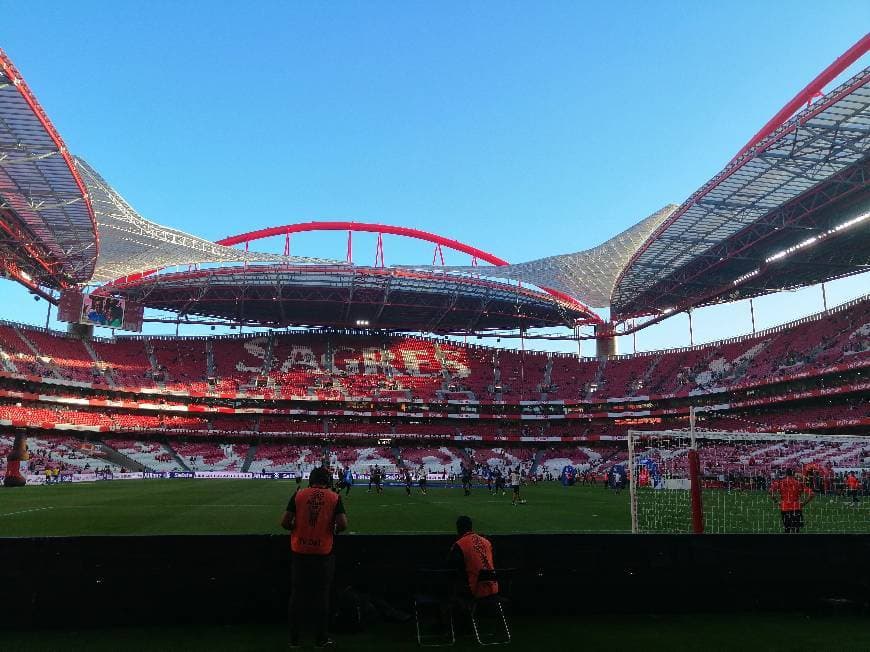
x=525 y=128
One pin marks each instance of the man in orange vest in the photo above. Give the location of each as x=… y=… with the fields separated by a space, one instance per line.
x=792 y=495
x=853 y=486
x=313 y=516
x=471 y=556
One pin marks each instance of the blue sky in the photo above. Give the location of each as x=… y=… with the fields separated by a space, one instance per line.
x=525 y=128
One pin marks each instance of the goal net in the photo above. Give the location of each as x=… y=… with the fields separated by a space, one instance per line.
x=723 y=482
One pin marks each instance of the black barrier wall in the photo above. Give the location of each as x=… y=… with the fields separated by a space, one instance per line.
x=234 y=579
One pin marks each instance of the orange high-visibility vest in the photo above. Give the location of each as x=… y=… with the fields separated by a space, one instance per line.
x=477 y=552
x=315 y=521
x=790 y=491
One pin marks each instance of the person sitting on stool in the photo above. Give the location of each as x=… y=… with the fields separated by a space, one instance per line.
x=471 y=556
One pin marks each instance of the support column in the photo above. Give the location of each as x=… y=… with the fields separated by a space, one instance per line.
x=691 y=332
x=605 y=340
x=81 y=331
x=752 y=315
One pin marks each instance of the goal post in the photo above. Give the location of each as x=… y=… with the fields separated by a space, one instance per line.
x=691 y=481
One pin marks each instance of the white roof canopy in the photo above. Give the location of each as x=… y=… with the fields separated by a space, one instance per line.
x=587 y=275
x=130 y=244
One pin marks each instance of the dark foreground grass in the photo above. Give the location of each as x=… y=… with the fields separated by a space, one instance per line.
x=255 y=507
x=776 y=632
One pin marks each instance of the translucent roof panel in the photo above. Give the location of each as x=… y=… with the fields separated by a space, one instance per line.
x=589 y=275
x=819 y=142
x=39 y=187
x=132 y=245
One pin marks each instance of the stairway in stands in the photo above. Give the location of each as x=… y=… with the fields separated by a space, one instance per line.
x=47 y=365
x=155 y=368
x=181 y=463
x=446 y=377
x=252 y=453
x=647 y=375
x=598 y=381
x=7 y=363
x=548 y=377
x=209 y=359
x=120 y=459
x=104 y=369
x=536 y=462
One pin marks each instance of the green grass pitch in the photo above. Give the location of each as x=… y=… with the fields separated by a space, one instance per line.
x=255 y=506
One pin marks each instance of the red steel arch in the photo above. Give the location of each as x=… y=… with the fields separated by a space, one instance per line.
x=364 y=227
x=404 y=231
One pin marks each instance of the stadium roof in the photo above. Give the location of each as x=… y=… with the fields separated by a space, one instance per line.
x=792 y=208
x=132 y=245
x=342 y=296
x=735 y=214
x=47 y=230
x=588 y=275
x=803 y=186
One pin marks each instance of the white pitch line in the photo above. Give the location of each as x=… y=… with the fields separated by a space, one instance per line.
x=159 y=505
x=27 y=511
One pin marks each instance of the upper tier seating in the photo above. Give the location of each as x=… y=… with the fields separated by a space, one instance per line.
x=127 y=360
x=340 y=366
x=182 y=362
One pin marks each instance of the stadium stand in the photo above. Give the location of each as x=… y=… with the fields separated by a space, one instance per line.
x=444 y=459
x=275 y=458
x=127 y=361
x=202 y=456
x=407 y=367
x=767 y=382
x=67 y=453
x=361 y=459
x=152 y=455
x=500 y=458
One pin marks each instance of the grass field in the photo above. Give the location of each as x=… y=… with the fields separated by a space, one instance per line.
x=254 y=507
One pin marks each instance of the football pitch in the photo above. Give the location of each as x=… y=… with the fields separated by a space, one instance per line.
x=154 y=507
x=143 y=507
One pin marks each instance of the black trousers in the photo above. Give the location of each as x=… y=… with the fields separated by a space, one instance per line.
x=792 y=521
x=310 y=586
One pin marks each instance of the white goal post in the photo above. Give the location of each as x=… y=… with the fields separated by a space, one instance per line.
x=728 y=482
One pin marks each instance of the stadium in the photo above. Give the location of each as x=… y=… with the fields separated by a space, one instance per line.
x=325 y=362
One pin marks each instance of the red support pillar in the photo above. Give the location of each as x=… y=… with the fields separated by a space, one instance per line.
x=18 y=454
x=287 y=244
x=350 y=246
x=379 y=251
x=439 y=252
